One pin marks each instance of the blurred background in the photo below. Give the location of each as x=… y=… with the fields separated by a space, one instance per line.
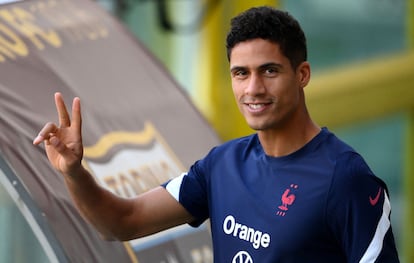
x=362 y=86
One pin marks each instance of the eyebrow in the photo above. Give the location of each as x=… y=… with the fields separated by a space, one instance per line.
x=261 y=67
x=271 y=64
x=236 y=68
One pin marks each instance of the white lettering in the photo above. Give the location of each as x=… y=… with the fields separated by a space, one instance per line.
x=228 y=229
x=255 y=237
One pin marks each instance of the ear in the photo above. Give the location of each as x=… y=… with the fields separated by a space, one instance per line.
x=303 y=72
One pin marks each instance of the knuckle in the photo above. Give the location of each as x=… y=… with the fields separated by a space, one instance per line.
x=49 y=127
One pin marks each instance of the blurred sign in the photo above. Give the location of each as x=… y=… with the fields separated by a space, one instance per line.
x=139 y=128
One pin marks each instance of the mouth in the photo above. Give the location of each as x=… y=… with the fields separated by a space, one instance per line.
x=257 y=107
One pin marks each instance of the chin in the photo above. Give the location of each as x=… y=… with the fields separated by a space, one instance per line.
x=262 y=126
x=260 y=123
x=257 y=126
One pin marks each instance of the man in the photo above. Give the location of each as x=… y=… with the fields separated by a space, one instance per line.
x=292 y=192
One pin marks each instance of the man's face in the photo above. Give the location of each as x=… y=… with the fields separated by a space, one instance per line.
x=268 y=91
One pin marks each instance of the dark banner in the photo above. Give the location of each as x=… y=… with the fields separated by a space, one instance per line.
x=139 y=128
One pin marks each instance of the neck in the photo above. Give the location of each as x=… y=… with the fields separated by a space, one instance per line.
x=286 y=140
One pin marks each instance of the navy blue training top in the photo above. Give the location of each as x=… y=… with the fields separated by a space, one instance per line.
x=319 y=204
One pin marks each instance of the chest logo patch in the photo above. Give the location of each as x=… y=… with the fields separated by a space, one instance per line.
x=287 y=200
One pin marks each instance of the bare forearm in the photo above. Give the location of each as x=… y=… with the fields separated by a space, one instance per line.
x=113 y=216
x=120 y=218
x=104 y=210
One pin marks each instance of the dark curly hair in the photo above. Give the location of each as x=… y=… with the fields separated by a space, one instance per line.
x=270 y=24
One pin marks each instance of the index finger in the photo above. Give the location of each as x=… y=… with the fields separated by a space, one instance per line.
x=64 y=118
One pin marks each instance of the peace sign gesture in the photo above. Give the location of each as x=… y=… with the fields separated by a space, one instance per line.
x=63 y=143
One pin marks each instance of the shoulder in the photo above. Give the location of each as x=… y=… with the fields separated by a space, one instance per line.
x=350 y=170
x=235 y=149
x=240 y=142
x=344 y=157
x=352 y=176
x=335 y=145
x=236 y=146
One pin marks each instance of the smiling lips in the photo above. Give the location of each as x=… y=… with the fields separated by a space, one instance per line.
x=256 y=107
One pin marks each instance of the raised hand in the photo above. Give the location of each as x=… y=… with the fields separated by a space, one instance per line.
x=113 y=216
x=63 y=143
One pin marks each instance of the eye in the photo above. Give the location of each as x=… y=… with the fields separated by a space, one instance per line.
x=239 y=73
x=271 y=71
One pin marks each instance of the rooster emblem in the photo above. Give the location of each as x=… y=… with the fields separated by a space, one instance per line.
x=287 y=200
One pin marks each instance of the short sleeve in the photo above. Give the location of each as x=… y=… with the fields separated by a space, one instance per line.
x=358 y=212
x=190 y=189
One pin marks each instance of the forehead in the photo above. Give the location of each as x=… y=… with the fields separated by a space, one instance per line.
x=256 y=52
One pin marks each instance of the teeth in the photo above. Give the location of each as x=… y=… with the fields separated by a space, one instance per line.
x=256 y=106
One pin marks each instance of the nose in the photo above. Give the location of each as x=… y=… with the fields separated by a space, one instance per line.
x=255 y=85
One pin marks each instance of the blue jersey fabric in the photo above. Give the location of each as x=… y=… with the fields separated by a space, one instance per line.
x=319 y=204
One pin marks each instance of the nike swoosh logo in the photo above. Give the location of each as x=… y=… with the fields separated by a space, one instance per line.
x=374 y=201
